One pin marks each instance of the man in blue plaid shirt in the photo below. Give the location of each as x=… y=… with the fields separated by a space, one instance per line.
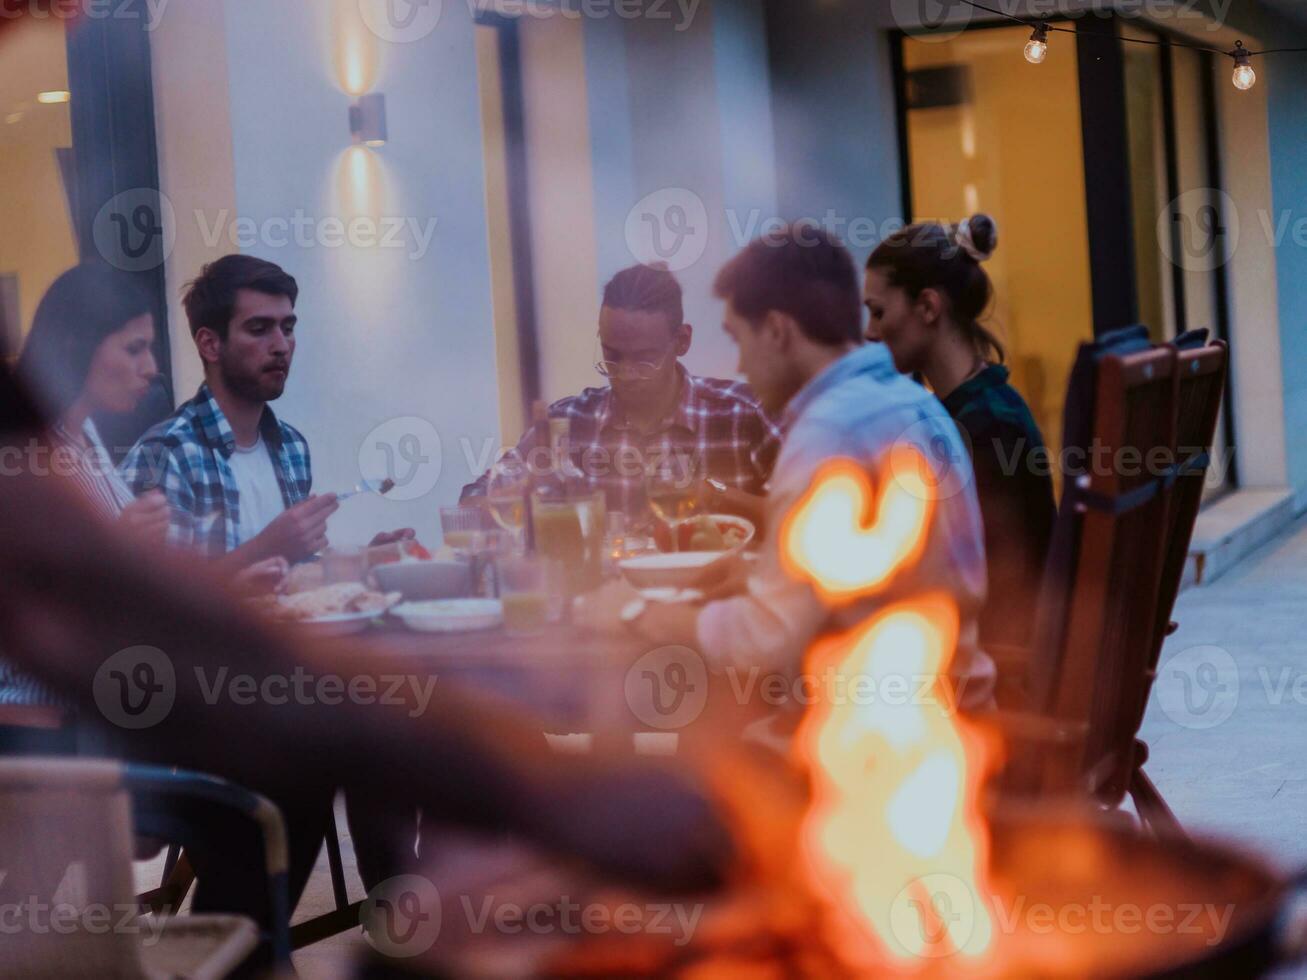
x=238 y=478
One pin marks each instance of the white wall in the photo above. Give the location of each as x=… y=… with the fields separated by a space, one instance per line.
x=385 y=333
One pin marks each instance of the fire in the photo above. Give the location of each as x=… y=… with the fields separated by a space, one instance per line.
x=829 y=542
x=893 y=837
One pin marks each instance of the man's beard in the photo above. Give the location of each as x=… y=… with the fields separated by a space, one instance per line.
x=252 y=386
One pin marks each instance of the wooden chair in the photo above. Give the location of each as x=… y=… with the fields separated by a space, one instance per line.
x=1096 y=625
x=1202 y=373
x=66 y=836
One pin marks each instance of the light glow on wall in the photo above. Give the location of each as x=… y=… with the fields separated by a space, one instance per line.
x=359 y=184
x=356 y=50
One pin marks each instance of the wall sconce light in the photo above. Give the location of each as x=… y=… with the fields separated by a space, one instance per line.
x=367 y=120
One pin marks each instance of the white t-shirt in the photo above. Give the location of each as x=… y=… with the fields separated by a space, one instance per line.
x=260 y=495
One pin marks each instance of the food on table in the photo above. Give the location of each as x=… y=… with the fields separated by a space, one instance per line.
x=408 y=550
x=328 y=600
x=707 y=532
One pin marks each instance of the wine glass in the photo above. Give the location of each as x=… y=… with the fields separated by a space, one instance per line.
x=507 y=494
x=672 y=492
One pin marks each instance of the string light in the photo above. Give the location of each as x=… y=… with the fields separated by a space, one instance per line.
x=1244 y=76
x=1036 y=50
x=1037 y=46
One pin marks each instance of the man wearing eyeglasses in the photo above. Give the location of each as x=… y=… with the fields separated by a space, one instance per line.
x=654 y=411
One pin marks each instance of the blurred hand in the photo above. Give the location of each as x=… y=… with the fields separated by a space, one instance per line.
x=392 y=537
x=300 y=531
x=262 y=577
x=147 y=516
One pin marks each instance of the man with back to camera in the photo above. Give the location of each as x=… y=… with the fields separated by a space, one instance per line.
x=794 y=310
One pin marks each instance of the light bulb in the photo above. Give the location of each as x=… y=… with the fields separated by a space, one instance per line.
x=1244 y=76
x=1037 y=46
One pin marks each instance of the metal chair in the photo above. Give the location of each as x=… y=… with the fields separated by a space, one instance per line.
x=66 y=847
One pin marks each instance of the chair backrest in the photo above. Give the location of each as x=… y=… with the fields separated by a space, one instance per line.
x=1078 y=421
x=65 y=870
x=1202 y=373
x=1097 y=613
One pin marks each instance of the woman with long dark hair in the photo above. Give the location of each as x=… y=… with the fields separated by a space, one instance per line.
x=90 y=352
x=927 y=292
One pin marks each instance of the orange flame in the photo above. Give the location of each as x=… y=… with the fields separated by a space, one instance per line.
x=894 y=838
x=826 y=536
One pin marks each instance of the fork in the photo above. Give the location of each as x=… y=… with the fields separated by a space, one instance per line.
x=379 y=487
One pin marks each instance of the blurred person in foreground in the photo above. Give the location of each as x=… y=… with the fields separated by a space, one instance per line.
x=653 y=407
x=794 y=309
x=926 y=290
x=79 y=590
x=238 y=479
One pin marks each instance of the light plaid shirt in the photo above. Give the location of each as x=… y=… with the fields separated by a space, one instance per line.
x=717 y=424
x=188 y=457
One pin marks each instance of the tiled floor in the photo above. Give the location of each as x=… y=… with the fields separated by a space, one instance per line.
x=1227 y=726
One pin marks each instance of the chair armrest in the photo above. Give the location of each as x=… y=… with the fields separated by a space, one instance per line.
x=163 y=801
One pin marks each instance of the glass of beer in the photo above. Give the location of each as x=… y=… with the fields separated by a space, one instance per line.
x=524 y=592
x=569 y=529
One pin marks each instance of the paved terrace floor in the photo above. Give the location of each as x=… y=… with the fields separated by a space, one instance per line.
x=1226 y=721
x=1226 y=725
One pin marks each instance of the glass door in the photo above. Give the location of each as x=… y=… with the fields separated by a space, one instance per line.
x=1180 y=245
x=982 y=136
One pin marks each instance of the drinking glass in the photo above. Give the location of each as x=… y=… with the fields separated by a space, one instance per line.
x=569 y=528
x=673 y=492
x=507 y=493
x=462 y=527
x=524 y=592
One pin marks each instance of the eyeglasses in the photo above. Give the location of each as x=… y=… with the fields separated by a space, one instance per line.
x=638 y=371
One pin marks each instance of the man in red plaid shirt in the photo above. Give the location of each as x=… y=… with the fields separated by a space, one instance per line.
x=654 y=411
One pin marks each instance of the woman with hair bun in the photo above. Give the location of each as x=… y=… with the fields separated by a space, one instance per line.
x=926 y=290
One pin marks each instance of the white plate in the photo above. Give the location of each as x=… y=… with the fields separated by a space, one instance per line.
x=672 y=597
x=339 y=624
x=677 y=570
x=451 y=615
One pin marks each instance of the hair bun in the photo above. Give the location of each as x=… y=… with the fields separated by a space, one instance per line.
x=978 y=237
